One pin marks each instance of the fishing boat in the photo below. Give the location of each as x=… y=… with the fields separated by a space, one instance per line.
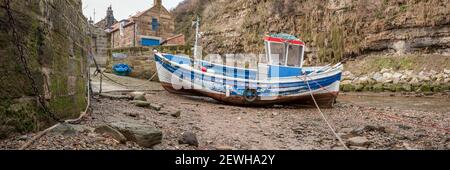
x=279 y=78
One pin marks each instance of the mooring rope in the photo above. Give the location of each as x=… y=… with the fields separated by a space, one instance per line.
x=324 y=118
x=426 y=125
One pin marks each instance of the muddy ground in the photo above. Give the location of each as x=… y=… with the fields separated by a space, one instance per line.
x=279 y=127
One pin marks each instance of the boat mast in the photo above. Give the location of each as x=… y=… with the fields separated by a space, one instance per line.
x=197 y=23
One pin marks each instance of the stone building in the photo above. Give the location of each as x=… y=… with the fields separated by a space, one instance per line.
x=148 y=28
x=107 y=22
x=100 y=36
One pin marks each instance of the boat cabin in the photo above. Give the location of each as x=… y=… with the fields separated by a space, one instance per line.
x=284 y=55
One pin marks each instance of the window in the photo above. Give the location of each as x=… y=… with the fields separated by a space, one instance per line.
x=295 y=53
x=155 y=24
x=277 y=53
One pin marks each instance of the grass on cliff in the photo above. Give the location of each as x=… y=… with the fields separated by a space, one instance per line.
x=374 y=63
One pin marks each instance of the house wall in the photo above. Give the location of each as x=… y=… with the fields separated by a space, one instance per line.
x=99 y=44
x=143 y=24
x=126 y=40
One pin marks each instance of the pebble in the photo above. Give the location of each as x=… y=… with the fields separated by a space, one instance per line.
x=176 y=114
x=358 y=141
x=189 y=138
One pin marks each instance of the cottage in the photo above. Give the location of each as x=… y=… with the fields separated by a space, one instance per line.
x=99 y=33
x=148 y=28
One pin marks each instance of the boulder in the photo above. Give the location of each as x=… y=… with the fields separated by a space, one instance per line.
x=189 y=138
x=155 y=107
x=64 y=129
x=446 y=71
x=141 y=103
x=140 y=98
x=378 y=77
x=363 y=80
x=108 y=130
x=134 y=94
x=144 y=135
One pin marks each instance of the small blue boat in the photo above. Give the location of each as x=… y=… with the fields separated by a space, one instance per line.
x=122 y=69
x=278 y=78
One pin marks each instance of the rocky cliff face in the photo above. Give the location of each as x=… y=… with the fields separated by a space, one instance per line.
x=42 y=56
x=332 y=29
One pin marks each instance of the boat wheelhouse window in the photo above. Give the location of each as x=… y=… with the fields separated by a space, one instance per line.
x=277 y=53
x=295 y=53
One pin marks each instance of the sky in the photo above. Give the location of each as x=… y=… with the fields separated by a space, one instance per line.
x=122 y=8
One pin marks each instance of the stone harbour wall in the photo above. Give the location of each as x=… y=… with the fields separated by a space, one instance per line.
x=48 y=38
x=405 y=81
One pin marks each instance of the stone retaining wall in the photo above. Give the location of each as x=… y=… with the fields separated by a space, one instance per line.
x=406 y=81
x=53 y=37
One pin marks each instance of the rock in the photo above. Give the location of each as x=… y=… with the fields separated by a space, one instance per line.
x=189 y=138
x=116 y=97
x=378 y=77
x=64 y=129
x=135 y=94
x=414 y=80
x=363 y=80
x=367 y=128
x=141 y=103
x=358 y=141
x=387 y=77
x=404 y=127
x=108 y=130
x=346 y=130
x=346 y=82
x=385 y=70
x=155 y=107
x=131 y=114
x=23 y=138
x=446 y=71
x=162 y=112
x=144 y=135
x=176 y=114
x=140 y=98
x=447 y=80
x=224 y=147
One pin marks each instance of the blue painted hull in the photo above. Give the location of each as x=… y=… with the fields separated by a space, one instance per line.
x=242 y=86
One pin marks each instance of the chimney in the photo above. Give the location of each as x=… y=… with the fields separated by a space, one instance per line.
x=157 y=3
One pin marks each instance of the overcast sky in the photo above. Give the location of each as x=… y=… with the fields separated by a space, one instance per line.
x=122 y=8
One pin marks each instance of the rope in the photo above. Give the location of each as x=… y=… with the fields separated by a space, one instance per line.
x=427 y=125
x=324 y=118
x=128 y=86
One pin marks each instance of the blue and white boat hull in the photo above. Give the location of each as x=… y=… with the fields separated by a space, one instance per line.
x=180 y=78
